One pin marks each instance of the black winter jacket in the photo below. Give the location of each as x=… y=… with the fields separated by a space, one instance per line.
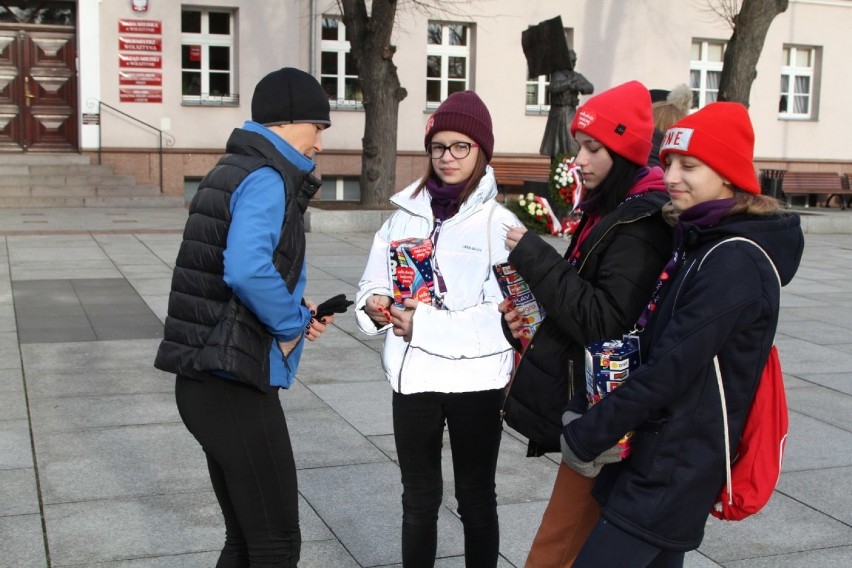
x=208 y=330
x=602 y=298
x=664 y=491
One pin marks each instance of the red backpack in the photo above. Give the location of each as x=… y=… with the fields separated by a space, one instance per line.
x=756 y=467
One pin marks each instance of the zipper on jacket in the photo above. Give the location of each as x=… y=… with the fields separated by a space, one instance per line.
x=570 y=380
x=401 y=367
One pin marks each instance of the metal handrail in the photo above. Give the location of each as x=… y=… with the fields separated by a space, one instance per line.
x=170 y=140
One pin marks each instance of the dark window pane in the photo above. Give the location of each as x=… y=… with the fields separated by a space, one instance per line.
x=190 y=22
x=455 y=87
x=220 y=23
x=433 y=91
x=329 y=28
x=353 y=90
x=532 y=94
x=457 y=67
x=433 y=66
x=220 y=58
x=220 y=84
x=433 y=34
x=55 y=16
x=328 y=63
x=188 y=59
x=782 y=104
x=351 y=189
x=458 y=34
x=351 y=67
x=191 y=83
x=329 y=85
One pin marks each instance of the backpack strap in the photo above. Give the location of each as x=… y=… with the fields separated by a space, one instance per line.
x=719 y=371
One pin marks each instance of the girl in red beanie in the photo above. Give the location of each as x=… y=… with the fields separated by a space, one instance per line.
x=447 y=360
x=717 y=299
x=595 y=291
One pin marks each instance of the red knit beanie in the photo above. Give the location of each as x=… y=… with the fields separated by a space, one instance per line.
x=466 y=113
x=620 y=119
x=721 y=136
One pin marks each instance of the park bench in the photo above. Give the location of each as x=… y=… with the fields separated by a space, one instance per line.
x=511 y=174
x=813 y=185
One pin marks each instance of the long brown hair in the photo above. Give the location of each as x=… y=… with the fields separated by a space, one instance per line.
x=472 y=182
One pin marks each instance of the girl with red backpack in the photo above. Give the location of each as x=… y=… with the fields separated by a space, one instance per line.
x=717 y=300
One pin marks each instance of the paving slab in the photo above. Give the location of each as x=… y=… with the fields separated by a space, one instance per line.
x=123 y=484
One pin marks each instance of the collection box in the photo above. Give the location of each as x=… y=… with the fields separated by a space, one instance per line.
x=411 y=270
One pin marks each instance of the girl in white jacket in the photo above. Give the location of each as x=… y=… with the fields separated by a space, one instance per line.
x=448 y=362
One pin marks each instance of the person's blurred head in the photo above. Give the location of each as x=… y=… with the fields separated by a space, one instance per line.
x=709 y=155
x=673 y=106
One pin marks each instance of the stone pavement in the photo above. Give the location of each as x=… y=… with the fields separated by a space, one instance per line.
x=96 y=468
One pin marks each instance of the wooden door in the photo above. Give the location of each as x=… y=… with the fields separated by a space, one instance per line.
x=38 y=90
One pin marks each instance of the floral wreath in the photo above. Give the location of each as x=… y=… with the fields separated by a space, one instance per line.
x=565 y=191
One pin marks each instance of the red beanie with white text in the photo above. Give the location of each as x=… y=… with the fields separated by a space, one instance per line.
x=619 y=118
x=721 y=136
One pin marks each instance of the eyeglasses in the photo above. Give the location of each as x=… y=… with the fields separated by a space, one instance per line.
x=458 y=150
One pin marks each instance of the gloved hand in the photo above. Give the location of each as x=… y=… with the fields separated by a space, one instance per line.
x=335 y=305
x=586 y=469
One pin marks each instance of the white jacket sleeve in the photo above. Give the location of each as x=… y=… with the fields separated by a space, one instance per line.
x=375 y=280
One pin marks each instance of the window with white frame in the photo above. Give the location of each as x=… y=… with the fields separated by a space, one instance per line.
x=705 y=71
x=447 y=61
x=340 y=188
x=797 y=82
x=538 y=97
x=208 y=74
x=338 y=72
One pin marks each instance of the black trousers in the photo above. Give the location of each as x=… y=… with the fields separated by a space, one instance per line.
x=244 y=434
x=608 y=545
x=473 y=421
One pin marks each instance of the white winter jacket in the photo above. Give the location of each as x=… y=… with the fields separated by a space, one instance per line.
x=460 y=348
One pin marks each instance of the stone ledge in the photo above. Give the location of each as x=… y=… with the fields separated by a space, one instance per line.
x=345 y=221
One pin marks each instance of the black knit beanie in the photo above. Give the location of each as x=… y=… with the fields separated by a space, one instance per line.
x=289 y=96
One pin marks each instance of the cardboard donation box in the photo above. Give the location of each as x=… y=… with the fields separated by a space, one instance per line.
x=411 y=270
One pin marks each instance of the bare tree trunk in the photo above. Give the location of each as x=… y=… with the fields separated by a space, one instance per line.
x=744 y=47
x=370 y=41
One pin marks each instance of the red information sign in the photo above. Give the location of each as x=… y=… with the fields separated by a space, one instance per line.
x=140 y=78
x=141 y=95
x=130 y=43
x=195 y=53
x=141 y=61
x=140 y=27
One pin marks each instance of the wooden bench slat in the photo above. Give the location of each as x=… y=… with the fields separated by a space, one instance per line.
x=806 y=184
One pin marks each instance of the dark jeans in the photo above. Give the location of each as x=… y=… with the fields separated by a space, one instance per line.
x=473 y=421
x=244 y=435
x=608 y=545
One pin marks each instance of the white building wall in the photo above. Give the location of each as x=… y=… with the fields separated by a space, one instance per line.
x=616 y=40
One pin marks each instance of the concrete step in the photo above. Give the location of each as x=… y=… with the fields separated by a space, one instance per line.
x=38 y=159
x=83 y=179
x=160 y=201
x=71 y=180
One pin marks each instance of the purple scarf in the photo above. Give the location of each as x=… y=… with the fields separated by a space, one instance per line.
x=701 y=215
x=445 y=197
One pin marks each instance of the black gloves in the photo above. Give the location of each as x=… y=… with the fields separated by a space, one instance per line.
x=335 y=305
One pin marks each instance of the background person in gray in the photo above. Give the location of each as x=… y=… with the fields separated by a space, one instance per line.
x=236 y=316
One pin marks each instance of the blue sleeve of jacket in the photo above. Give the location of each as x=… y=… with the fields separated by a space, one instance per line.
x=257 y=214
